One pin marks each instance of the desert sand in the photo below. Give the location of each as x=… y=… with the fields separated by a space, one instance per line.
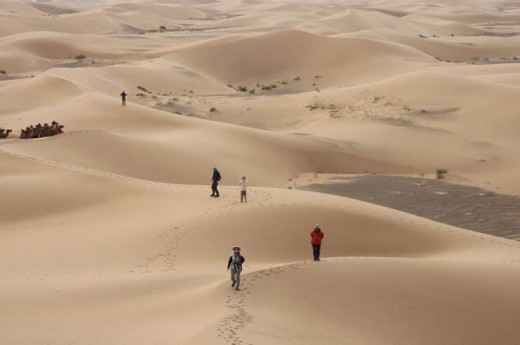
x=109 y=236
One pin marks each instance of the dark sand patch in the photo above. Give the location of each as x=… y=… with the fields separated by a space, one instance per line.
x=467 y=207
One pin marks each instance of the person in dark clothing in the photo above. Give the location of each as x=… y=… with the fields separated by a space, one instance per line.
x=235 y=265
x=316 y=237
x=214 y=183
x=123 y=98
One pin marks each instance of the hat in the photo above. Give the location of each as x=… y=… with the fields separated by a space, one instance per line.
x=236 y=247
x=317 y=226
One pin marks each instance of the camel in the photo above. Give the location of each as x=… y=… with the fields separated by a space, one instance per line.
x=4 y=133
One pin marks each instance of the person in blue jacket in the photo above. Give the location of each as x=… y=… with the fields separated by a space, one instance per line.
x=214 y=183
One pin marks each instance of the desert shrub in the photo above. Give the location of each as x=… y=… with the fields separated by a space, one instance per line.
x=297 y=78
x=242 y=88
x=2 y=71
x=441 y=173
x=162 y=28
x=142 y=88
x=212 y=109
x=252 y=91
x=80 y=56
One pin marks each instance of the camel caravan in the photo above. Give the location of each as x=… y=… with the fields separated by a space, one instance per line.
x=38 y=131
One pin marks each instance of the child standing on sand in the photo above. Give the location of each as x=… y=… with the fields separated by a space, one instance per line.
x=242 y=183
x=235 y=265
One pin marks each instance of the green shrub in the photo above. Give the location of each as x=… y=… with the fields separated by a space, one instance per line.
x=80 y=56
x=441 y=173
x=2 y=71
x=267 y=87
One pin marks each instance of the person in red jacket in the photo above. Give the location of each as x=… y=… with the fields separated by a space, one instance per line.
x=316 y=237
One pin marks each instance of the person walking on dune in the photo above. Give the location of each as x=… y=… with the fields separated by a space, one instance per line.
x=316 y=238
x=242 y=183
x=123 y=98
x=235 y=265
x=214 y=183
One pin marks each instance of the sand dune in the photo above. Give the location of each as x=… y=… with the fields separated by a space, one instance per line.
x=278 y=56
x=410 y=281
x=168 y=157
x=461 y=49
x=108 y=232
x=359 y=20
x=30 y=94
